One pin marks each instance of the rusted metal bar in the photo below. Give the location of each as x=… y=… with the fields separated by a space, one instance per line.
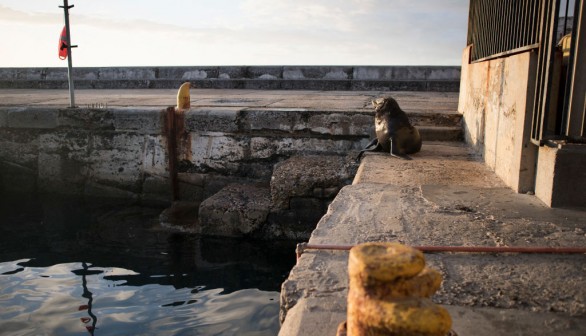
x=510 y=52
x=302 y=247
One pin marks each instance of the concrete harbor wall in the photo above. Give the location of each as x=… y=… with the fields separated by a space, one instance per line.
x=263 y=163
x=353 y=78
x=122 y=152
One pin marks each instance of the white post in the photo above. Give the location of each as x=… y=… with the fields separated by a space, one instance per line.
x=69 y=61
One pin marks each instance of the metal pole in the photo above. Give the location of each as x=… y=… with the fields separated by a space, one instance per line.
x=69 y=60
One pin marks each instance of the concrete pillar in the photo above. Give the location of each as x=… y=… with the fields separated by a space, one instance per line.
x=561 y=177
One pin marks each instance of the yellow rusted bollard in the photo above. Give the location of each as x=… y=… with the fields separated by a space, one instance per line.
x=389 y=293
x=183 y=97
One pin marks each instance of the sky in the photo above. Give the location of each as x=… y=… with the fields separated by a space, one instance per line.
x=235 y=32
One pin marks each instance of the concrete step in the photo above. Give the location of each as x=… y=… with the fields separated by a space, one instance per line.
x=441 y=133
x=448 y=117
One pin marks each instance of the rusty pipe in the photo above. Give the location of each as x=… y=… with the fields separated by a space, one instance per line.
x=171 y=131
x=458 y=249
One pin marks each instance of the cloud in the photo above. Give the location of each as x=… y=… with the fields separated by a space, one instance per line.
x=304 y=14
x=15 y=16
x=351 y=32
x=10 y=15
x=382 y=31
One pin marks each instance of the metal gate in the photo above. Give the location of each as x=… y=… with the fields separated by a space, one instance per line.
x=555 y=30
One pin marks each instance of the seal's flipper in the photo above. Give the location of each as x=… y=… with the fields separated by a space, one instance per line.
x=404 y=156
x=374 y=143
x=400 y=156
x=371 y=147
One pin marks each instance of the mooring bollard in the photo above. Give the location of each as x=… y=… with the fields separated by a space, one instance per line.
x=183 y=97
x=389 y=293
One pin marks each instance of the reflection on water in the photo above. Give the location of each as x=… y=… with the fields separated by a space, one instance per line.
x=68 y=267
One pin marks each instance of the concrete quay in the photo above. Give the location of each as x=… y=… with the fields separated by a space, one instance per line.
x=293 y=150
x=446 y=196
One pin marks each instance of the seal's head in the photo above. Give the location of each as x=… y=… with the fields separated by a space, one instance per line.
x=385 y=105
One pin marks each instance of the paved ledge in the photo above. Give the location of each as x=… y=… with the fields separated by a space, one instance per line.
x=446 y=196
x=353 y=78
x=424 y=102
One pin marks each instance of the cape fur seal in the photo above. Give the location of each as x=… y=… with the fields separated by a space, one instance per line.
x=394 y=132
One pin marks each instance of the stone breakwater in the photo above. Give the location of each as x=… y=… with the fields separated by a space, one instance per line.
x=351 y=78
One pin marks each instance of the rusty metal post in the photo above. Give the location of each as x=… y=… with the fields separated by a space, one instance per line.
x=175 y=125
x=172 y=151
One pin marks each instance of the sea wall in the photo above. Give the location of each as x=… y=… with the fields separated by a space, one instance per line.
x=123 y=152
x=251 y=164
x=351 y=78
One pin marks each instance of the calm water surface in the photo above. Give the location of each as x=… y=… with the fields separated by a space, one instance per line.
x=69 y=267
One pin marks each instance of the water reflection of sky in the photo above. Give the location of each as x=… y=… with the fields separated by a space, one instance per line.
x=49 y=300
x=70 y=269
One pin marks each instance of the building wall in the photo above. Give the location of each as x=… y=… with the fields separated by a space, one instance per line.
x=496 y=102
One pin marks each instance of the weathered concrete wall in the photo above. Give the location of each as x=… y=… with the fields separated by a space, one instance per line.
x=122 y=152
x=291 y=158
x=82 y=151
x=496 y=102
x=393 y=78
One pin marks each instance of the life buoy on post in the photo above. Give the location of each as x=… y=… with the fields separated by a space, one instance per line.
x=63 y=50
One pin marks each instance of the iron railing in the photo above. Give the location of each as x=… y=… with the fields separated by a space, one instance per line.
x=553 y=117
x=498 y=28
x=544 y=106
